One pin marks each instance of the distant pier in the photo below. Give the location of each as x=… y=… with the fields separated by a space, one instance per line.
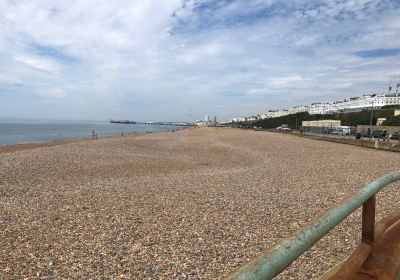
x=152 y=123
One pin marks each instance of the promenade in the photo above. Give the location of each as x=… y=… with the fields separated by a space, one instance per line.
x=192 y=204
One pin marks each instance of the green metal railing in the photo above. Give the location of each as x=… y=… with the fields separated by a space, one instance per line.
x=278 y=257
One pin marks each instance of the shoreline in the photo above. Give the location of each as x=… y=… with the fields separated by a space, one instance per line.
x=29 y=134
x=27 y=146
x=10 y=148
x=196 y=203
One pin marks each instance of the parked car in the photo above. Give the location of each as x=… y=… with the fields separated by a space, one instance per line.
x=378 y=134
x=395 y=136
x=284 y=128
x=367 y=133
x=329 y=130
x=342 y=130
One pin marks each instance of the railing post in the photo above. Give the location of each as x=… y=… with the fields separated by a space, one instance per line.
x=368 y=221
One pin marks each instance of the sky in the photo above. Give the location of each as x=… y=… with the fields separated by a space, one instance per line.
x=158 y=60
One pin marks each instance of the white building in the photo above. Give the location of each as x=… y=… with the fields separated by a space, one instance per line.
x=355 y=104
x=262 y=116
x=276 y=113
x=299 y=109
x=238 y=119
x=319 y=108
x=252 y=118
x=346 y=105
x=284 y=112
x=321 y=123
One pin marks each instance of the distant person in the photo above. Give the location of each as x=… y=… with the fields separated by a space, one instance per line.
x=384 y=134
x=94 y=135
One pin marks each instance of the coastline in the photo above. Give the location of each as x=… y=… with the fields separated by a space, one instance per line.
x=191 y=204
x=29 y=133
x=27 y=146
x=7 y=148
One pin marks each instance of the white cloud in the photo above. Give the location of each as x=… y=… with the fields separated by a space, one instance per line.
x=38 y=63
x=284 y=82
x=344 y=85
x=52 y=93
x=198 y=53
x=141 y=59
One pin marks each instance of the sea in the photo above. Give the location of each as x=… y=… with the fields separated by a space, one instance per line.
x=18 y=131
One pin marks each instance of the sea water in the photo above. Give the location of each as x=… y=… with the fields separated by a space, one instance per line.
x=13 y=131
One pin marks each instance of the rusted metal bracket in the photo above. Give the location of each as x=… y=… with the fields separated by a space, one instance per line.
x=368 y=221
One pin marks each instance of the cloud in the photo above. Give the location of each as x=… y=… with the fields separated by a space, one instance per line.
x=378 y=53
x=38 y=63
x=138 y=59
x=50 y=52
x=285 y=82
x=52 y=93
x=344 y=85
x=198 y=53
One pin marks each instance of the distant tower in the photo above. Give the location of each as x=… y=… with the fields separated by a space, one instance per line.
x=215 y=119
x=206 y=118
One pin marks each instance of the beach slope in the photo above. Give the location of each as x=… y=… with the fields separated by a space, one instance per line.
x=192 y=204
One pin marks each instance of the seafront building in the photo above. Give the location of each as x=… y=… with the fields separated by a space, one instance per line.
x=321 y=123
x=208 y=121
x=356 y=103
x=242 y=119
x=351 y=104
x=284 y=112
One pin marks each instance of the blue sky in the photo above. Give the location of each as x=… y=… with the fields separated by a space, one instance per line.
x=153 y=60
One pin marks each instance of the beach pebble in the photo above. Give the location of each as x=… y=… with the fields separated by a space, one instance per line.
x=194 y=204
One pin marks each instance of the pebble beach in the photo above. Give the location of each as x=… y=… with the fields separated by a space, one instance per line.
x=191 y=204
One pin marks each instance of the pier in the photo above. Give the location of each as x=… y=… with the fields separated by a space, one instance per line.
x=152 y=123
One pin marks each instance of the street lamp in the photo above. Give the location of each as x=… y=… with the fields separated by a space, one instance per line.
x=370 y=122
